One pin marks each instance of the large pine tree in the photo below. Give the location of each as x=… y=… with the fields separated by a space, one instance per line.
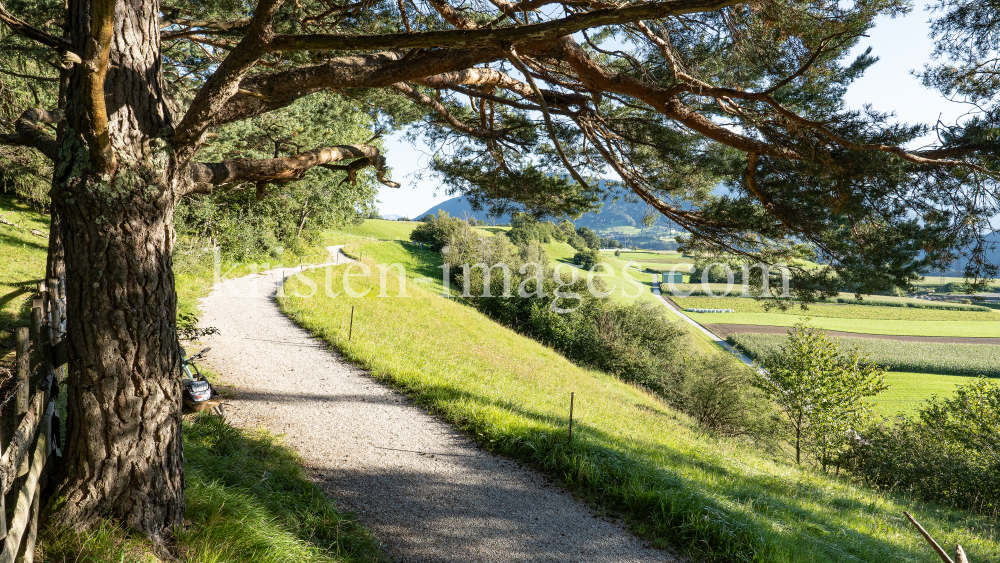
x=529 y=101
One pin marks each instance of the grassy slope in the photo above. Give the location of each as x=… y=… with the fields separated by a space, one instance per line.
x=676 y=486
x=22 y=263
x=378 y=228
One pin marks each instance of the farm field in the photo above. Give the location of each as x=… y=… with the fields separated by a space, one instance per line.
x=676 y=485
x=932 y=282
x=985 y=329
x=861 y=312
x=622 y=287
x=969 y=360
x=908 y=391
x=963 y=329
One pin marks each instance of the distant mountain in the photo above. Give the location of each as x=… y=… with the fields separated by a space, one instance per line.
x=958 y=266
x=460 y=207
x=621 y=214
x=393 y=217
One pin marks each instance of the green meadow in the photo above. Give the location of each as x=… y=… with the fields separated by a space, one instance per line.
x=676 y=486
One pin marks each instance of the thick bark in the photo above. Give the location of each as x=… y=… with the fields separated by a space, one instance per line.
x=123 y=455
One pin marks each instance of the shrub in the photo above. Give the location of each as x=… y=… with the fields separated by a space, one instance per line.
x=590 y=238
x=577 y=242
x=951 y=454
x=525 y=229
x=718 y=394
x=437 y=231
x=587 y=258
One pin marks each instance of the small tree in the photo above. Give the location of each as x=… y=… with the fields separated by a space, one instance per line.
x=587 y=258
x=821 y=390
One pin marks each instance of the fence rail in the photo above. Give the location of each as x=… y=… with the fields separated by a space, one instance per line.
x=29 y=442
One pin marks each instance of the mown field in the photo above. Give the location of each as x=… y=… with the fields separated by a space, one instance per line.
x=676 y=486
x=909 y=391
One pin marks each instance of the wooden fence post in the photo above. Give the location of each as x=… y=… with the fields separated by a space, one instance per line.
x=56 y=312
x=23 y=369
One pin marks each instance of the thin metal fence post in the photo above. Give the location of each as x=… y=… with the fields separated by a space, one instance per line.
x=569 y=440
x=350 y=329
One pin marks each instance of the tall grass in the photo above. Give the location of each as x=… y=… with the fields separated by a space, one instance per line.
x=715 y=499
x=946 y=359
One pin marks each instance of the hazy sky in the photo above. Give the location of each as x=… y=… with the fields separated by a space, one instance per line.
x=901 y=45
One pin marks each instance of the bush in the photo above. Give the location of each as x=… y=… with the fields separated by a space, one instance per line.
x=718 y=394
x=437 y=231
x=587 y=258
x=577 y=242
x=951 y=454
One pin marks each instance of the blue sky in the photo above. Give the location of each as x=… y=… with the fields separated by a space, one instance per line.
x=901 y=44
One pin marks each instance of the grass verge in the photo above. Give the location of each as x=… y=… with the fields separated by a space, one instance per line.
x=715 y=499
x=247 y=499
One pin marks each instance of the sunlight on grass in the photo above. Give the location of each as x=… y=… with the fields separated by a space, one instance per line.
x=676 y=486
x=22 y=264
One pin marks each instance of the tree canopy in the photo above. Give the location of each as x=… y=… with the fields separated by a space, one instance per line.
x=531 y=102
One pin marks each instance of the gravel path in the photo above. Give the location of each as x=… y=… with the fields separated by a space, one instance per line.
x=424 y=489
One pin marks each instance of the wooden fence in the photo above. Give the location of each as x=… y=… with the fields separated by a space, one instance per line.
x=30 y=423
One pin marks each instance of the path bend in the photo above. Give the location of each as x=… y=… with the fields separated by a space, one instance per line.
x=426 y=491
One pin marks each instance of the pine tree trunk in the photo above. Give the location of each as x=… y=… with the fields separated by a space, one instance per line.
x=123 y=456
